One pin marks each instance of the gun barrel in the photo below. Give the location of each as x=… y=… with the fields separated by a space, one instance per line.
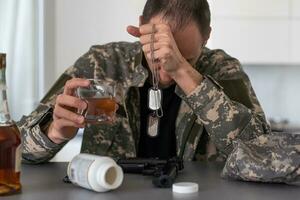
x=132 y=168
x=148 y=161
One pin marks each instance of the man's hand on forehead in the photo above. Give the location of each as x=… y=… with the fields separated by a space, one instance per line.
x=158 y=38
x=159 y=45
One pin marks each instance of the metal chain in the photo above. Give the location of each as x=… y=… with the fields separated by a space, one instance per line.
x=154 y=69
x=155 y=72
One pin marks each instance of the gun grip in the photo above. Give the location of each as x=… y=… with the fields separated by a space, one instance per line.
x=163 y=181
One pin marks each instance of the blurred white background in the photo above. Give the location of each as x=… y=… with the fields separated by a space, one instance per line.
x=262 y=34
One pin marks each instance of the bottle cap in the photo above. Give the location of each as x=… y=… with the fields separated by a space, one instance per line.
x=185 y=187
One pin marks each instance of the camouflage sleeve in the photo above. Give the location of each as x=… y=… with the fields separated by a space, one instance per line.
x=230 y=112
x=36 y=146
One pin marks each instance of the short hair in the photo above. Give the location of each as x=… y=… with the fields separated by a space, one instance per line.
x=180 y=12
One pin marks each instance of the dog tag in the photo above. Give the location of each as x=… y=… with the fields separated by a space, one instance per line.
x=154 y=101
x=153 y=125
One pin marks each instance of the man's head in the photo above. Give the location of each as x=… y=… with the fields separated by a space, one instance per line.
x=190 y=24
x=180 y=13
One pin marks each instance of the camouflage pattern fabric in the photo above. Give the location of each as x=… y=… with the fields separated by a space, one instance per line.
x=268 y=158
x=222 y=108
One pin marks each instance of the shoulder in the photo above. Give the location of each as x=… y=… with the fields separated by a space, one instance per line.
x=110 y=51
x=220 y=65
x=113 y=60
x=126 y=48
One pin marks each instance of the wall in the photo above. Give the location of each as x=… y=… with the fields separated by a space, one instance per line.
x=277 y=87
x=255 y=31
x=258 y=31
x=80 y=24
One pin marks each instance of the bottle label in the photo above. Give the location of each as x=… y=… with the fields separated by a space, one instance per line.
x=78 y=171
x=18 y=159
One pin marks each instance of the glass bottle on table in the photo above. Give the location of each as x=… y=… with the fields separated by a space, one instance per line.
x=10 y=142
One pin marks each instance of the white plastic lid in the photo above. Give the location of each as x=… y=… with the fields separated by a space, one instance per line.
x=185 y=187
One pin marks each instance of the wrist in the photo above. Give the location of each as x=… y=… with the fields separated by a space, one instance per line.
x=55 y=136
x=187 y=78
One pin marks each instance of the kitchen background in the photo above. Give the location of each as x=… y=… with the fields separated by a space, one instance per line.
x=262 y=34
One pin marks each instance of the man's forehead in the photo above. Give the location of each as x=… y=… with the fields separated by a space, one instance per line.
x=188 y=41
x=172 y=22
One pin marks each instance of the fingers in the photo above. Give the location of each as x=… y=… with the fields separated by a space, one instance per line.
x=62 y=113
x=156 y=46
x=157 y=28
x=65 y=106
x=161 y=54
x=70 y=101
x=62 y=123
x=147 y=39
x=147 y=29
x=73 y=84
x=134 y=31
x=163 y=41
x=65 y=121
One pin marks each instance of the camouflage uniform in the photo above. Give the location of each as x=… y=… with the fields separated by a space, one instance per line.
x=224 y=104
x=267 y=158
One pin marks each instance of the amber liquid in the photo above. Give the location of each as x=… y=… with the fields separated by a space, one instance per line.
x=9 y=174
x=101 y=110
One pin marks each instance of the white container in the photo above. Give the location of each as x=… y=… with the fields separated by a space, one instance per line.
x=96 y=173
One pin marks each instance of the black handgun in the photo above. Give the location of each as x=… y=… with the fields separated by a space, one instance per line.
x=164 y=171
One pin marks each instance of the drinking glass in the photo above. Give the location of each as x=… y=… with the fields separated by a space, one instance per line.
x=101 y=101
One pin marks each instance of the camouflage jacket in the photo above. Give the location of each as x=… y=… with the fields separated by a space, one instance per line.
x=224 y=104
x=273 y=158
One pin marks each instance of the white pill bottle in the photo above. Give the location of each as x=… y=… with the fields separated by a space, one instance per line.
x=96 y=173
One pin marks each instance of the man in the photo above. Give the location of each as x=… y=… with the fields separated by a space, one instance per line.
x=207 y=102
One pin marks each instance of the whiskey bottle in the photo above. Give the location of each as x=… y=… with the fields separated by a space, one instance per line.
x=10 y=142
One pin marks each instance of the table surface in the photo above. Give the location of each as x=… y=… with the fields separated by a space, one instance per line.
x=44 y=182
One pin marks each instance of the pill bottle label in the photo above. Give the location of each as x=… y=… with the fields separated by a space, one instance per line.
x=78 y=171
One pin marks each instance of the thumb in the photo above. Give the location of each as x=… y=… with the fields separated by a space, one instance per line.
x=134 y=31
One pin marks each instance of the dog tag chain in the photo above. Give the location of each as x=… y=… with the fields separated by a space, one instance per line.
x=154 y=94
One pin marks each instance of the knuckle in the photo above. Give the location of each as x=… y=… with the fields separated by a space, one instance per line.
x=169 y=47
x=142 y=39
x=144 y=48
x=148 y=55
x=79 y=103
x=71 y=116
x=56 y=124
x=56 y=113
x=164 y=28
x=80 y=120
x=168 y=28
x=142 y=29
x=74 y=117
x=59 y=98
x=167 y=53
x=167 y=39
x=55 y=109
x=68 y=82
